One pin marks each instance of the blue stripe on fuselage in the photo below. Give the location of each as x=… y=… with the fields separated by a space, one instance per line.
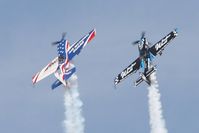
x=142 y=64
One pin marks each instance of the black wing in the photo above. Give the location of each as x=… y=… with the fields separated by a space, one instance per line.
x=159 y=46
x=132 y=68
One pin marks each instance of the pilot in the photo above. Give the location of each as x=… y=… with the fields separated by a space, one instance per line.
x=61 y=59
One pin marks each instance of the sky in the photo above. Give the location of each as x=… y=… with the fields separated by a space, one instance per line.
x=27 y=29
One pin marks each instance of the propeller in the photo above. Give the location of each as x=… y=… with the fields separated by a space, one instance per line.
x=143 y=36
x=63 y=36
x=141 y=39
x=138 y=41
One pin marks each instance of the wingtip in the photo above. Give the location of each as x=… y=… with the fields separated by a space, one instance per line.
x=33 y=79
x=176 y=30
x=92 y=35
x=94 y=30
x=115 y=84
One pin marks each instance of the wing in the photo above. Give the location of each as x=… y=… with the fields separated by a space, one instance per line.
x=132 y=68
x=159 y=46
x=76 y=48
x=46 y=71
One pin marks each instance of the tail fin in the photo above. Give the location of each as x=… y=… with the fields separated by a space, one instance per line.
x=69 y=72
x=145 y=77
x=63 y=77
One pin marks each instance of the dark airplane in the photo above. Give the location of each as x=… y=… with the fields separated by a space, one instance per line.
x=144 y=61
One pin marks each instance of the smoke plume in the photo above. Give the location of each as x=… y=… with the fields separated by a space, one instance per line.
x=74 y=121
x=157 y=122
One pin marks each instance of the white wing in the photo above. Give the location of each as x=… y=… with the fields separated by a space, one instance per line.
x=46 y=71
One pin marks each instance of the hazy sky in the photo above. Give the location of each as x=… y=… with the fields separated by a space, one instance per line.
x=27 y=28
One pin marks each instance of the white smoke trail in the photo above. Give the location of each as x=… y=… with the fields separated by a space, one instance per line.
x=157 y=122
x=74 y=121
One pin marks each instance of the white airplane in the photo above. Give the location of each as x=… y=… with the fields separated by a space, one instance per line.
x=61 y=66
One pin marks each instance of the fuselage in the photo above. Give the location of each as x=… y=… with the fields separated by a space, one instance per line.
x=144 y=54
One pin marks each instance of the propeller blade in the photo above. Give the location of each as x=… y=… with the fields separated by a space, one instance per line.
x=142 y=34
x=55 y=43
x=135 y=42
x=63 y=35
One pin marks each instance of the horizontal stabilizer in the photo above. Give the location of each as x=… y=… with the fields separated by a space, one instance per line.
x=149 y=72
x=56 y=84
x=138 y=81
x=145 y=77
